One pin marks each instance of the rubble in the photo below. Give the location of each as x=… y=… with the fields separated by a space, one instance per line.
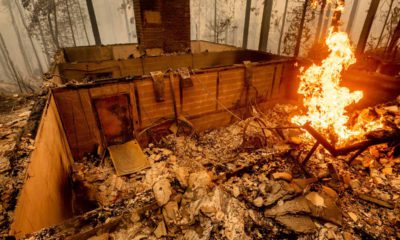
x=208 y=186
x=19 y=120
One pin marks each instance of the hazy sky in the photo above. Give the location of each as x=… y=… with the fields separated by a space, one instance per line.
x=112 y=26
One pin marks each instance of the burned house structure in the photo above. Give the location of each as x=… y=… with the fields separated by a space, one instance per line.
x=126 y=115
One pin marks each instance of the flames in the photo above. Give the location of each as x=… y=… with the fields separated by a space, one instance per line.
x=324 y=98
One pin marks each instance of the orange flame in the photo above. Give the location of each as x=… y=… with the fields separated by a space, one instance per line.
x=324 y=98
x=339 y=4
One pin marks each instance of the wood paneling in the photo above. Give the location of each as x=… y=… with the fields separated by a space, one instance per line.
x=46 y=196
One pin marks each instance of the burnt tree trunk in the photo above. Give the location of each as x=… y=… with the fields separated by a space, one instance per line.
x=326 y=22
x=19 y=38
x=266 y=19
x=6 y=70
x=3 y=49
x=93 y=22
x=393 y=41
x=282 y=27
x=83 y=22
x=246 y=24
x=362 y=42
x=35 y=51
x=300 y=32
x=337 y=15
x=56 y=22
x=46 y=48
x=53 y=32
x=352 y=16
x=384 y=24
x=319 y=25
x=70 y=23
x=215 y=22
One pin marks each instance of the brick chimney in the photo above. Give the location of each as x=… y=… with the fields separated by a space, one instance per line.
x=163 y=24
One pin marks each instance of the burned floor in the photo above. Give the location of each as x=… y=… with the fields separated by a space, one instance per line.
x=245 y=181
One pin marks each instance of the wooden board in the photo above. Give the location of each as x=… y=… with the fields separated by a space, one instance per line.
x=128 y=158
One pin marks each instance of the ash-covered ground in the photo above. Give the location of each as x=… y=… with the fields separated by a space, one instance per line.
x=244 y=181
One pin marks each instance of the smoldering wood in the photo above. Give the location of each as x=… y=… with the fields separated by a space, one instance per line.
x=374 y=138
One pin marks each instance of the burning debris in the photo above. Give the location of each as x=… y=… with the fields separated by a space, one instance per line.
x=208 y=186
x=323 y=97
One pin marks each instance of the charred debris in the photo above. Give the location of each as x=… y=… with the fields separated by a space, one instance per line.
x=245 y=181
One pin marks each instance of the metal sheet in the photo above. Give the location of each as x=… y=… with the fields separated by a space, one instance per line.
x=128 y=158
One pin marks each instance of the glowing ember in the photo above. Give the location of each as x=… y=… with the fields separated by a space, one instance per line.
x=324 y=98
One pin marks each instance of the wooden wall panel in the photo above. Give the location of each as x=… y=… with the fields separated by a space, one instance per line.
x=77 y=127
x=46 y=196
x=88 y=54
x=109 y=90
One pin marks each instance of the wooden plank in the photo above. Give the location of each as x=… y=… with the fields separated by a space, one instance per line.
x=45 y=198
x=109 y=90
x=134 y=110
x=88 y=113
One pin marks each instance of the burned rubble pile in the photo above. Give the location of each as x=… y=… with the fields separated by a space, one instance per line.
x=19 y=119
x=242 y=182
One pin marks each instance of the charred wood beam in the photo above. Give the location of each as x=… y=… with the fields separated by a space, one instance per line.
x=374 y=139
x=310 y=153
x=100 y=219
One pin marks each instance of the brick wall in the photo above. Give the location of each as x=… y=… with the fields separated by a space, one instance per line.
x=200 y=103
x=163 y=24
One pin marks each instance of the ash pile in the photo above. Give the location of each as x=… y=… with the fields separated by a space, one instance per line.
x=245 y=181
x=19 y=120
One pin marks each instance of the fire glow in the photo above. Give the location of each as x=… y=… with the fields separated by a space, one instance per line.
x=323 y=97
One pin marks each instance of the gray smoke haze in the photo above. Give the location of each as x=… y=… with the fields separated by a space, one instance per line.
x=112 y=25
